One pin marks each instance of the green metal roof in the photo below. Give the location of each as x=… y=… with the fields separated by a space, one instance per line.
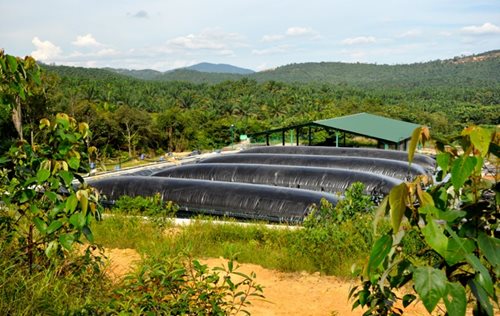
x=372 y=126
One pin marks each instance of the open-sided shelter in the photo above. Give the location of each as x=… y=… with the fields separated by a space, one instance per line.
x=388 y=132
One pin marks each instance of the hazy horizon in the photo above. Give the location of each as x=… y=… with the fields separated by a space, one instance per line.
x=258 y=35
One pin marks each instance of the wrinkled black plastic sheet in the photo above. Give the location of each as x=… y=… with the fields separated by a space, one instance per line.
x=423 y=160
x=391 y=168
x=310 y=178
x=239 y=200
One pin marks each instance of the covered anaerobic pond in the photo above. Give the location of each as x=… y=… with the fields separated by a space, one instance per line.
x=276 y=184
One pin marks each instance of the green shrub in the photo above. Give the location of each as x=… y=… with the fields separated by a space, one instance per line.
x=44 y=212
x=147 y=206
x=335 y=237
x=182 y=286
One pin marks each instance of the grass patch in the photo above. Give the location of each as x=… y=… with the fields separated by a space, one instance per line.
x=331 y=240
x=283 y=249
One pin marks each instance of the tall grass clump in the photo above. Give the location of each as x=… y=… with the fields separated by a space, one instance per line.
x=335 y=237
x=72 y=286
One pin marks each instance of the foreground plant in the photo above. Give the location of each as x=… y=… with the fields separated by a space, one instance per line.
x=44 y=211
x=183 y=286
x=458 y=221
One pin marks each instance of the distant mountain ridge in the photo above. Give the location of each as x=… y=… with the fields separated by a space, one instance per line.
x=219 y=68
x=480 y=70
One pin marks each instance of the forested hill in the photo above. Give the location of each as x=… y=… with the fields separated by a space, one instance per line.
x=181 y=115
x=481 y=70
x=436 y=73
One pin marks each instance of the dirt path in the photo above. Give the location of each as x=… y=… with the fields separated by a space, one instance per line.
x=286 y=293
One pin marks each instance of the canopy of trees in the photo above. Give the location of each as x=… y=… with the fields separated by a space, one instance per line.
x=133 y=115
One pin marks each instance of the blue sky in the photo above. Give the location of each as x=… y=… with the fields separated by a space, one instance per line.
x=256 y=34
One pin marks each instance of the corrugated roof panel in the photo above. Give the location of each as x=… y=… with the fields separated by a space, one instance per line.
x=373 y=126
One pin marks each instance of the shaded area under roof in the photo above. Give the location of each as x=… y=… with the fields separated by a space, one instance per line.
x=370 y=125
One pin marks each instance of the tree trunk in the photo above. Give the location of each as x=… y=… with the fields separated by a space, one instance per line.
x=17 y=118
x=129 y=139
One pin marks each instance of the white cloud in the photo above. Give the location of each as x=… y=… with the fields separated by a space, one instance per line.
x=359 y=40
x=272 y=38
x=300 y=31
x=86 y=40
x=273 y=50
x=45 y=50
x=291 y=32
x=226 y=52
x=410 y=34
x=107 y=52
x=486 y=28
x=209 y=39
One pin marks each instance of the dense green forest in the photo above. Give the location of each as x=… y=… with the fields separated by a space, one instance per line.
x=478 y=71
x=133 y=115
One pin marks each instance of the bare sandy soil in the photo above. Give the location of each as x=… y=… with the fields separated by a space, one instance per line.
x=285 y=293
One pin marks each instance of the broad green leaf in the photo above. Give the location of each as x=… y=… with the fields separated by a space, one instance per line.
x=415 y=137
x=29 y=181
x=380 y=213
x=397 y=201
x=42 y=175
x=55 y=225
x=77 y=220
x=425 y=198
x=51 y=249
x=455 y=299
x=483 y=277
x=430 y=285
x=490 y=247
x=12 y=63
x=480 y=138
x=40 y=225
x=435 y=237
x=457 y=250
x=66 y=176
x=84 y=200
x=74 y=162
x=481 y=296
x=450 y=215
x=88 y=234
x=62 y=119
x=52 y=196
x=380 y=250
x=26 y=195
x=71 y=203
x=67 y=240
x=429 y=210
x=443 y=161
x=461 y=170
